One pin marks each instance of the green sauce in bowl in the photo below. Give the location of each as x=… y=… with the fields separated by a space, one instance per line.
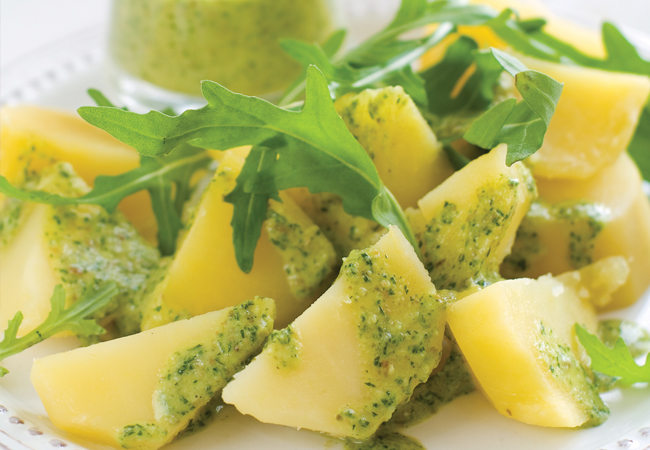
x=174 y=44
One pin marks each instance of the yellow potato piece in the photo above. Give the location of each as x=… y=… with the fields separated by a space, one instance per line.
x=26 y=271
x=579 y=221
x=467 y=225
x=523 y=350
x=204 y=275
x=110 y=392
x=391 y=129
x=588 y=132
x=323 y=373
x=32 y=138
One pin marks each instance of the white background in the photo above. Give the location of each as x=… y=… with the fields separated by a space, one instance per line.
x=26 y=25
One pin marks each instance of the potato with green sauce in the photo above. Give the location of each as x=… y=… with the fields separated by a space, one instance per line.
x=138 y=392
x=576 y=222
x=356 y=354
x=518 y=338
x=467 y=225
x=78 y=246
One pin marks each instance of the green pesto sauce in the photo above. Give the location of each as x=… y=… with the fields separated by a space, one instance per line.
x=636 y=338
x=11 y=218
x=89 y=246
x=581 y=221
x=385 y=104
x=570 y=375
x=457 y=243
x=344 y=231
x=401 y=338
x=309 y=258
x=177 y=43
x=134 y=436
x=452 y=381
x=205 y=416
x=284 y=347
x=385 y=441
x=194 y=375
x=585 y=222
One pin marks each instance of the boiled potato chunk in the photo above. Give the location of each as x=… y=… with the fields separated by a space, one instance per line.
x=77 y=246
x=356 y=354
x=33 y=138
x=580 y=221
x=389 y=126
x=588 y=132
x=467 y=225
x=204 y=275
x=524 y=353
x=138 y=392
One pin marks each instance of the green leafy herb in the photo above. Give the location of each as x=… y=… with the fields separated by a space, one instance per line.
x=318 y=151
x=155 y=174
x=476 y=93
x=616 y=362
x=59 y=319
x=521 y=126
x=249 y=208
x=385 y=56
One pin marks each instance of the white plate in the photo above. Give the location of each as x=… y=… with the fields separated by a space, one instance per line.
x=58 y=76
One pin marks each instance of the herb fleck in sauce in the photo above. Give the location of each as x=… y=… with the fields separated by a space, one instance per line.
x=284 y=346
x=137 y=435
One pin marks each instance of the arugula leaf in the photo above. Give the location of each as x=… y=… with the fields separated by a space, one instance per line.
x=154 y=174
x=318 y=150
x=639 y=148
x=100 y=99
x=441 y=80
x=522 y=126
x=615 y=362
x=59 y=319
x=250 y=208
x=384 y=56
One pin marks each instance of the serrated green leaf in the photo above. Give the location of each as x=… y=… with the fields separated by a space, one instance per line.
x=615 y=362
x=525 y=126
x=441 y=80
x=157 y=175
x=382 y=57
x=59 y=319
x=318 y=152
